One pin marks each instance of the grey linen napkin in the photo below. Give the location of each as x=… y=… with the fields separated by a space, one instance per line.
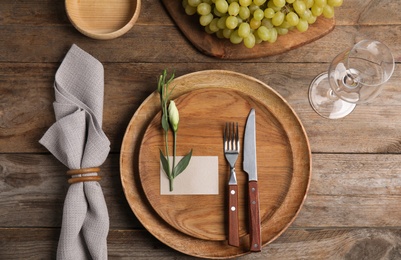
x=77 y=140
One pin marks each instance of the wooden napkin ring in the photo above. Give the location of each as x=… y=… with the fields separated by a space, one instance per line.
x=83 y=178
x=83 y=171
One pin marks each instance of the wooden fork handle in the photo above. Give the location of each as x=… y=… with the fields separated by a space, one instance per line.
x=254 y=218
x=233 y=230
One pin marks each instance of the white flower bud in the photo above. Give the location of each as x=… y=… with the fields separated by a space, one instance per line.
x=173 y=115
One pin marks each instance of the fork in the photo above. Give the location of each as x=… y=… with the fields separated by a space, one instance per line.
x=231 y=151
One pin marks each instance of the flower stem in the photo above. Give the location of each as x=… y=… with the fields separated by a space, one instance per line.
x=174 y=148
x=171 y=183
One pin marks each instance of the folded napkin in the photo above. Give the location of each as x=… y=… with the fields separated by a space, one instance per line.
x=77 y=140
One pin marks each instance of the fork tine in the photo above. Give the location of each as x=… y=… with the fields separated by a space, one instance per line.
x=231 y=137
x=225 y=137
x=236 y=138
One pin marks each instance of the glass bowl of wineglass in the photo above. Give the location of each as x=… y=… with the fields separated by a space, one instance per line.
x=355 y=76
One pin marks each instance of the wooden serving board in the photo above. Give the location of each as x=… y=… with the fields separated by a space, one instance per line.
x=224 y=49
x=284 y=162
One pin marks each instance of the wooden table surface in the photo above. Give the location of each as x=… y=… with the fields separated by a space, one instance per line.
x=353 y=208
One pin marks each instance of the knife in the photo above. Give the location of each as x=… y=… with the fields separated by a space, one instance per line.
x=249 y=166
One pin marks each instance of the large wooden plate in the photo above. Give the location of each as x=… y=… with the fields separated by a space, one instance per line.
x=284 y=162
x=224 y=49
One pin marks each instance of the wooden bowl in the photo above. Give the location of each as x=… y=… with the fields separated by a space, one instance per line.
x=103 y=19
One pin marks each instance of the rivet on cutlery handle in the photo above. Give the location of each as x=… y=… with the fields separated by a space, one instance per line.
x=233 y=230
x=254 y=218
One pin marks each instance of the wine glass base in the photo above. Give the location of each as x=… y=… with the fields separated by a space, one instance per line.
x=325 y=102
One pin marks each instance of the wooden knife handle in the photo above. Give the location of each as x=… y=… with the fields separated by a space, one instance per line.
x=254 y=218
x=233 y=230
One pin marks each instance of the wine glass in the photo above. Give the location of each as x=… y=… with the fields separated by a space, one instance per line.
x=355 y=76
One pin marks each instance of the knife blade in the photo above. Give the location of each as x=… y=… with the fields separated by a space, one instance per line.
x=250 y=167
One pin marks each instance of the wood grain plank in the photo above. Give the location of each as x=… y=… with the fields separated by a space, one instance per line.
x=33 y=188
x=27 y=95
x=294 y=244
x=143 y=44
x=347 y=190
x=48 y=12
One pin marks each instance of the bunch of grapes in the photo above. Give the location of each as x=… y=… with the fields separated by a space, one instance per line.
x=256 y=21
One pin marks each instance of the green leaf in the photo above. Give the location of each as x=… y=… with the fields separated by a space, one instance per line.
x=165 y=164
x=182 y=164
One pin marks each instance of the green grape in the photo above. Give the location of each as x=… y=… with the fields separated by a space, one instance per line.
x=184 y=3
x=244 y=30
x=317 y=10
x=213 y=25
x=245 y=2
x=217 y=13
x=252 y=8
x=235 y=38
x=292 y=18
x=320 y=3
x=278 y=18
x=222 y=6
x=204 y=9
x=257 y=39
x=308 y=3
x=257 y=21
x=312 y=19
x=259 y=2
x=302 y=25
x=306 y=14
x=219 y=34
x=207 y=30
x=221 y=23
x=286 y=25
x=194 y=3
x=258 y=14
x=254 y=24
x=244 y=12
x=263 y=33
x=231 y=22
x=282 y=31
x=279 y=3
x=227 y=33
x=249 y=41
x=206 y=19
x=273 y=35
x=233 y=9
x=269 y=12
x=267 y=23
x=299 y=6
x=335 y=3
x=190 y=10
x=328 y=11
x=271 y=5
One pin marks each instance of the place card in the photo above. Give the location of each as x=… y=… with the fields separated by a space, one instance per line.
x=199 y=178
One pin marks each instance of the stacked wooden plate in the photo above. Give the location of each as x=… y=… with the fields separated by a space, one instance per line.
x=196 y=224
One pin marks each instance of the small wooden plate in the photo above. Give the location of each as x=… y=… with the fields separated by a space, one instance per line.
x=224 y=49
x=103 y=19
x=284 y=162
x=203 y=114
